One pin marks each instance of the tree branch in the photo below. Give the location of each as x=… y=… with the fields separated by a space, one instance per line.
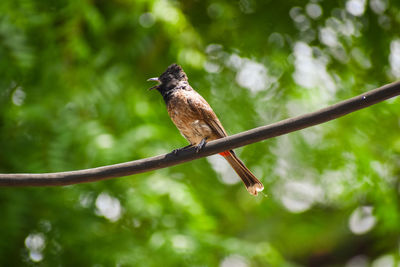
x=248 y=137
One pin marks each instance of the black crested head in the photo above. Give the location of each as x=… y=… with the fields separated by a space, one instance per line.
x=171 y=77
x=170 y=81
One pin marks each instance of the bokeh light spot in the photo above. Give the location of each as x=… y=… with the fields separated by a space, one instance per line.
x=146 y=20
x=104 y=141
x=299 y=196
x=234 y=261
x=18 y=96
x=357 y=261
x=394 y=58
x=355 y=7
x=35 y=243
x=378 y=6
x=182 y=243
x=384 y=261
x=108 y=207
x=253 y=76
x=314 y=10
x=362 y=220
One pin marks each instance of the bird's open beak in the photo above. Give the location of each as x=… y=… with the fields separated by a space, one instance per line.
x=156 y=80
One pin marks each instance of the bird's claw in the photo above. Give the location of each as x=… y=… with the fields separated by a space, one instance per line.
x=201 y=145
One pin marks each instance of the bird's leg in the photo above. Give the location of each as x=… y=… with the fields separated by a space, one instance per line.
x=201 y=144
x=176 y=151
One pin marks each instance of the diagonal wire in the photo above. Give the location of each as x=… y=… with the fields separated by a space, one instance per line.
x=241 y=139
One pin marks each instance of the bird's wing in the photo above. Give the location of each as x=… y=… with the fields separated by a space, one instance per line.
x=200 y=106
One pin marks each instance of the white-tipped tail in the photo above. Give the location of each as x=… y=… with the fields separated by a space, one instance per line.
x=253 y=185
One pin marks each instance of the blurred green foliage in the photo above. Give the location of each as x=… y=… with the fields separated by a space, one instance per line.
x=73 y=95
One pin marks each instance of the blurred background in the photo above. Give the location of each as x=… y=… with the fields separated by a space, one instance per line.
x=73 y=95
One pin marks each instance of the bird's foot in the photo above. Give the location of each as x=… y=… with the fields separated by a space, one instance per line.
x=201 y=145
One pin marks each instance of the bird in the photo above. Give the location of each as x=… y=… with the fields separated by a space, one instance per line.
x=196 y=120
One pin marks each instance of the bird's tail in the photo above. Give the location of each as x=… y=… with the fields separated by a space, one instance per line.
x=252 y=184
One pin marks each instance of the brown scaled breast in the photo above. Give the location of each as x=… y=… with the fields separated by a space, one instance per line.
x=194 y=117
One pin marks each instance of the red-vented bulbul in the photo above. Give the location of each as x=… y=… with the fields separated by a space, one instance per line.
x=196 y=120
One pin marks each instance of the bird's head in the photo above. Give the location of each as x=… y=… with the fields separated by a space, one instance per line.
x=170 y=78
